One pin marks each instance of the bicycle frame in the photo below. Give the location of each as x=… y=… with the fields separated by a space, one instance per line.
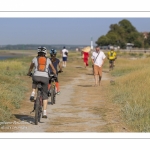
x=111 y=64
x=52 y=89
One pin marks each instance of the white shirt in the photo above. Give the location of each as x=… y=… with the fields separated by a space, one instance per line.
x=63 y=52
x=99 y=59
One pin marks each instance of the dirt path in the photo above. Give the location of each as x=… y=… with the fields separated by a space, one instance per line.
x=79 y=108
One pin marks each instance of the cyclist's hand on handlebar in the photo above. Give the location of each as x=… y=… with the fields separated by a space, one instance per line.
x=29 y=74
x=60 y=71
x=55 y=75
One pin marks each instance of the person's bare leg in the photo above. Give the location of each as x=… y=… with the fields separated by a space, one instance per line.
x=84 y=64
x=64 y=63
x=96 y=79
x=45 y=104
x=100 y=77
x=44 y=108
x=32 y=96
x=33 y=90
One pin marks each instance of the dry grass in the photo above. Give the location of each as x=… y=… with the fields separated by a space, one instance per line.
x=131 y=91
x=13 y=87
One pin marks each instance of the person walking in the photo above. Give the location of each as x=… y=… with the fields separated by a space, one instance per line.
x=85 y=56
x=98 y=58
x=64 y=53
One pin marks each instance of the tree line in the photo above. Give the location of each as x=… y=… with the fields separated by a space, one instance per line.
x=122 y=33
x=35 y=46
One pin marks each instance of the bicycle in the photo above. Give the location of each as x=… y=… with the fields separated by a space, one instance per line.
x=38 y=103
x=52 y=91
x=111 y=62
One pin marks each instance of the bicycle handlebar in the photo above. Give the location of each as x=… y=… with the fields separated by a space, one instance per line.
x=59 y=71
x=31 y=74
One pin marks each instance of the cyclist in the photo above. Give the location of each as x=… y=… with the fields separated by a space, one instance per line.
x=112 y=56
x=41 y=64
x=56 y=63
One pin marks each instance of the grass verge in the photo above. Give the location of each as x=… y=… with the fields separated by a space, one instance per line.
x=131 y=92
x=12 y=86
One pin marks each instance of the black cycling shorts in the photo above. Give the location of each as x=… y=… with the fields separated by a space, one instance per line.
x=44 y=81
x=56 y=80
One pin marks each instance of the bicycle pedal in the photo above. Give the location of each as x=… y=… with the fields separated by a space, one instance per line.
x=32 y=111
x=32 y=100
x=44 y=116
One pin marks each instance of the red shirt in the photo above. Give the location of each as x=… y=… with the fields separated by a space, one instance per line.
x=86 y=55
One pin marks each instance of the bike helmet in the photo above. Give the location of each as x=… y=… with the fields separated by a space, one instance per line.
x=53 y=52
x=42 y=49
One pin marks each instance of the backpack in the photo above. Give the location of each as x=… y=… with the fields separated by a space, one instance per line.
x=42 y=61
x=66 y=53
x=111 y=54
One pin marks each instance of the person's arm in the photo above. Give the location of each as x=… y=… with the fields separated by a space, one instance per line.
x=60 y=66
x=30 y=68
x=103 y=61
x=104 y=57
x=53 y=69
x=92 y=59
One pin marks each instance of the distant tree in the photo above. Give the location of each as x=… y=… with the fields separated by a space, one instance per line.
x=128 y=27
x=122 y=33
x=122 y=44
x=146 y=45
x=138 y=44
x=148 y=39
x=113 y=38
x=103 y=40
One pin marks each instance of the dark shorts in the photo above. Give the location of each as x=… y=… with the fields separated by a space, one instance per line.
x=111 y=61
x=64 y=58
x=44 y=81
x=56 y=80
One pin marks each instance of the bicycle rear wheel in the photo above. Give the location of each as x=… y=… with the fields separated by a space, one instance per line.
x=54 y=99
x=52 y=95
x=37 y=109
x=111 y=65
x=40 y=110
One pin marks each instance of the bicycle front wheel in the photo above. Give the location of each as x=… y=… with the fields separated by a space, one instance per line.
x=52 y=95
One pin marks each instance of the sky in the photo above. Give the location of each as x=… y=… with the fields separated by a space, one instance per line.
x=67 y=31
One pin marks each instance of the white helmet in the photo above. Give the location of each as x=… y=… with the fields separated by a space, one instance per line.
x=42 y=49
